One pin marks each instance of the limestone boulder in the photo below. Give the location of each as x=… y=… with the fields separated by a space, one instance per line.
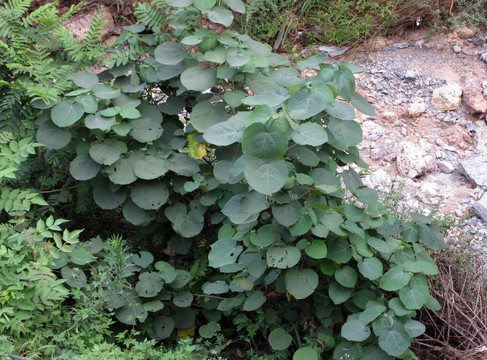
x=413 y=160
x=79 y=24
x=473 y=96
x=448 y=97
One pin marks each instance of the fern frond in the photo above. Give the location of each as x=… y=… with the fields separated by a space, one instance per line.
x=72 y=10
x=150 y=16
x=41 y=14
x=94 y=34
x=6 y=137
x=17 y=8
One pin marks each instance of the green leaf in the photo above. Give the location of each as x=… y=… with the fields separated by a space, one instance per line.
x=347 y=133
x=306 y=353
x=149 y=195
x=371 y=313
x=147 y=128
x=346 y=276
x=179 y=3
x=236 y=5
x=198 y=78
x=98 y=121
x=394 y=340
x=163 y=326
x=374 y=353
x=106 y=198
x=223 y=252
x=355 y=330
x=264 y=236
x=301 y=283
x=121 y=172
x=235 y=213
x=339 y=251
x=106 y=153
x=183 y=299
x=143 y=259
x=89 y=103
x=220 y=15
x=431 y=237
x=149 y=167
x=225 y=133
x=84 y=79
x=313 y=62
x=209 y=330
x=266 y=176
x=310 y=134
x=367 y=195
x=149 y=284
x=416 y=293
x=204 y=4
x=167 y=72
x=135 y=214
x=325 y=181
x=339 y=294
x=205 y=115
x=264 y=142
x=234 y=98
x=317 y=249
x=81 y=256
x=215 y=288
x=370 y=268
x=129 y=112
x=154 y=305
x=347 y=350
x=52 y=136
x=253 y=202
x=282 y=257
x=432 y=304
x=287 y=214
x=74 y=277
x=279 y=339
x=362 y=105
x=352 y=181
x=169 y=53
x=66 y=113
x=181 y=280
x=105 y=91
x=254 y=301
x=131 y=313
x=394 y=279
x=83 y=168
x=306 y=103
x=414 y=328
x=340 y=110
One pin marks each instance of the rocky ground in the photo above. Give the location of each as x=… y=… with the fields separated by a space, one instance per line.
x=428 y=142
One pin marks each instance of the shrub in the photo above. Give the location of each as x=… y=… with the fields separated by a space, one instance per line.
x=246 y=175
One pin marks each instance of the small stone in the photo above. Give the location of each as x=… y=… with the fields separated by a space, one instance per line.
x=480 y=208
x=457 y=49
x=479 y=40
x=475 y=169
x=464 y=33
x=483 y=57
x=447 y=97
x=445 y=167
x=411 y=75
x=416 y=109
x=473 y=94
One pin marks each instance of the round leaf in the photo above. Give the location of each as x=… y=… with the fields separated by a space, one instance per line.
x=143 y=259
x=263 y=142
x=169 y=53
x=205 y=114
x=279 y=339
x=84 y=79
x=355 y=330
x=74 y=277
x=66 y=113
x=98 y=121
x=282 y=257
x=346 y=276
x=310 y=134
x=183 y=299
x=83 y=168
x=317 y=249
x=149 y=284
x=220 y=15
x=287 y=214
x=52 y=136
x=135 y=214
x=370 y=268
x=106 y=153
x=149 y=195
x=204 y=4
x=254 y=301
x=131 y=313
x=394 y=279
x=306 y=353
x=105 y=91
x=301 y=283
x=163 y=327
x=209 y=330
x=106 y=198
x=198 y=78
x=266 y=176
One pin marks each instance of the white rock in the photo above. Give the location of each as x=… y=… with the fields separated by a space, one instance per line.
x=448 y=97
x=79 y=24
x=480 y=138
x=416 y=109
x=378 y=179
x=413 y=161
x=372 y=130
x=445 y=167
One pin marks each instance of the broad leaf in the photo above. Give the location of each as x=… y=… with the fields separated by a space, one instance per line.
x=264 y=142
x=169 y=53
x=301 y=283
x=106 y=153
x=83 y=168
x=66 y=113
x=266 y=176
x=198 y=78
x=220 y=15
